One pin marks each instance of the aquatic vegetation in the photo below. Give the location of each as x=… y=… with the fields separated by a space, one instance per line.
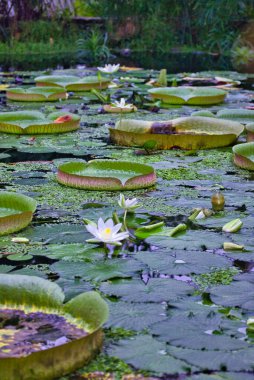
x=72 y=83
x=188 y=95
x=233 y=226
x=244 y=155
x=16 y=212
x=36 y=94
x=35 y=122
x=183 y=133
x=218 y=201
x=33 y=299
x=250 y=132
x=106 y=232
x=176 y=267
x=128 y=204
x=240 y=115
x=109 y=69
x=120 y=107
x=106 y=175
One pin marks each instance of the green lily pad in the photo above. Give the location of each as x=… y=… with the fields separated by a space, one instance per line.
x=240 y=115
x=36 y=94
x=250 y=132
x=185 y=133
x=157 y=290
x=99 y=270
x=147 y=353
x=34 y=122
x=182 y=262
x=136 y=316
x=73 y=83
x=238 y=293
x=106 y=175
x=16 y=212
x=188 y=95
x=244 y=155
x=25 y=294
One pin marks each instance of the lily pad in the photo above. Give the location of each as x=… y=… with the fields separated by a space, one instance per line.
x=115 y=109
x=185 y=133
x=106 y=175
x=240 y=115
x=188 y=95
x=250 y=132
x=33 y=299
x=244 y=155
x=36 y=94
x=16 y=212
x=35 y=122
x=157 y=290
x=73 y=83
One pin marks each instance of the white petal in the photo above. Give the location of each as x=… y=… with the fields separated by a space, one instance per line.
x=92 y=229
x=109 y=224
x=101 y=224
x=116 y=228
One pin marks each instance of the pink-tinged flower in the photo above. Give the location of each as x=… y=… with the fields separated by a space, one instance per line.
x=106 y=232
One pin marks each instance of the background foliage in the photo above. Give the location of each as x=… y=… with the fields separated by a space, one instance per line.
x=154 y=25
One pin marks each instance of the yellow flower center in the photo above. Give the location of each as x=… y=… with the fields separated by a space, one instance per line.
x=107 y=231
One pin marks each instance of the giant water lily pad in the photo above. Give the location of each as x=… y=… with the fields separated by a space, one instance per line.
x=244 y=155
x=36 y=94
x=73 y=83
x=42 y=338
x=250 y=132
x=16 y=212
x=106 y=175
x=241 y=115
x=188 y=95
x=35 y=122
x=184 y=133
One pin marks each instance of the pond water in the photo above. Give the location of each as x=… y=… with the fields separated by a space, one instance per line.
x=174 y=62
x=179 y=304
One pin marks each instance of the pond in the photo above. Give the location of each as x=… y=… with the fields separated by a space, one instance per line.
x=179 y=301
x=175 y=62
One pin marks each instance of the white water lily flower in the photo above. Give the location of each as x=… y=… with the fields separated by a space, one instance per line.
x=109 y=69
x=122 y=104
x=106 y=232
x=128 y=204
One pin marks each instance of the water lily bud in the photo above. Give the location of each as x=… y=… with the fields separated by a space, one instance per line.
x=218 y=201
x=233 y=226
x=250 y=321
x=195 y=213
x=228 y=246
x=20 y=240
x=180 y=228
